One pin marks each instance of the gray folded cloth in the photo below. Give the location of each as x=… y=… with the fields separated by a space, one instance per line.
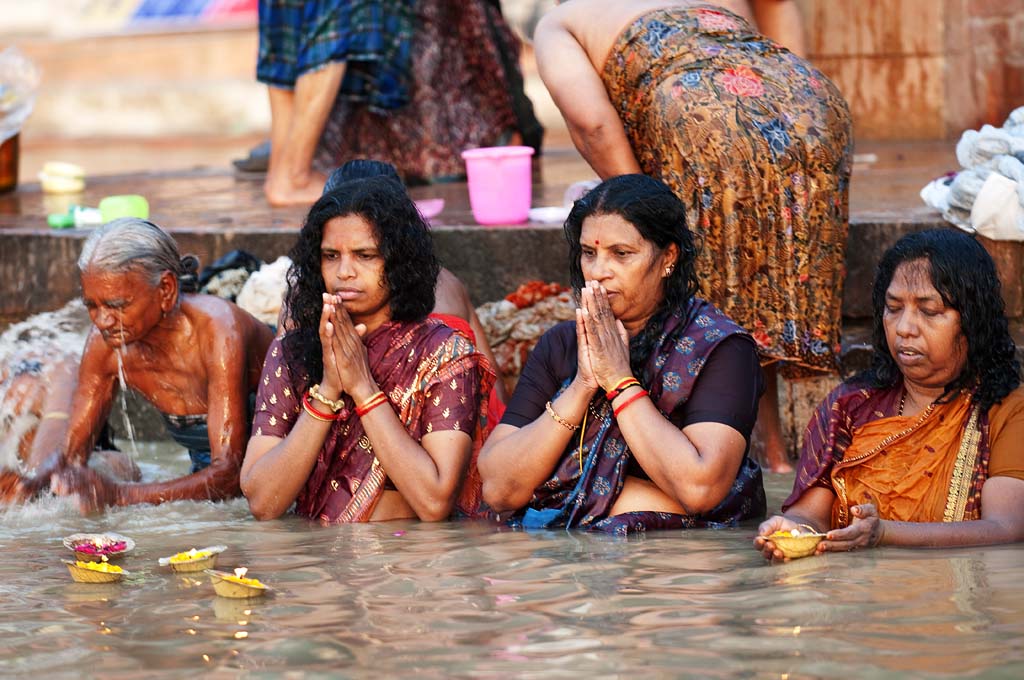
x=979 y=147
x=966 y=186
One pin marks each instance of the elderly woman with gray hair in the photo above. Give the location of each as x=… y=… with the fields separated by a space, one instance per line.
x=196 y=358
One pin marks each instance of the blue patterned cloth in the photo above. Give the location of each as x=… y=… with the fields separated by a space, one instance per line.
x=191 y=432
x=582 y=493
x=374 y=39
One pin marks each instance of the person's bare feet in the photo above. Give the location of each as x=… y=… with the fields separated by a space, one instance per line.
x=769 y=452
x=767 y=444
x=774 y=459
x=285 y=191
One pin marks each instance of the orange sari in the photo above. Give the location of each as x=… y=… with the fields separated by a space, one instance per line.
x=922 y=468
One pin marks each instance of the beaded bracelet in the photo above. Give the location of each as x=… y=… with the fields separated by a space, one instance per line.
x=308 y=407
x=621 y=387
x=334 y=405
x=371 y=403
x=623 y=405
x=559 y=419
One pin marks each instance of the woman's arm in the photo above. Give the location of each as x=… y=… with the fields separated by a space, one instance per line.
x=514 y=461
x=1002 y=521
x=453 y=298
x=580 y=95
x=275 y=470
x=781 y=21
x=90 y=405
x=695 y=466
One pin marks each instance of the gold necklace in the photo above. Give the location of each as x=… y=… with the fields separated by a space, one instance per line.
x=903 y=400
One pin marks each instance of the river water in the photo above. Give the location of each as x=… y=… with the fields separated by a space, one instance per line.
x=468 y=600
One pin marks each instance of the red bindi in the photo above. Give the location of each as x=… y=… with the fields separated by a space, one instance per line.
x=597 y=243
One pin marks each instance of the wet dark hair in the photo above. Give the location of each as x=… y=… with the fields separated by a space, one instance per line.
x=660 y=217
x=410 y=266
x=360 y=168
x=964 y=275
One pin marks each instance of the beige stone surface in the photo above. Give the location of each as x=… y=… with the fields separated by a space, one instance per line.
x=920 y=69
x=797 y=401
x=149 y=85
x=874 y=27
x=892 y=97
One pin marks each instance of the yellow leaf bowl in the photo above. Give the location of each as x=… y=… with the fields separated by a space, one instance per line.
x=84 y=571
x=229 y=585
x=193 y=560
x=798 y=544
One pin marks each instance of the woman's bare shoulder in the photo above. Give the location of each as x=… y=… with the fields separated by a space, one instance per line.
x=216 y=316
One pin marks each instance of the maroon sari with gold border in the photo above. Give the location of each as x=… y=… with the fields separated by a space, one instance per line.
x=434 y=379
x=929 y=467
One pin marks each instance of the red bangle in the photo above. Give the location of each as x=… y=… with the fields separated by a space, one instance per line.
x=623 y=405
x=623 y=385
x=313 y=411
x=373 y=402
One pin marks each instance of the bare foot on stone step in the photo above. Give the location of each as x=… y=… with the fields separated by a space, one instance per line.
x=283 y=191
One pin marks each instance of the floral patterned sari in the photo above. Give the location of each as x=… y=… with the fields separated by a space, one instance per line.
x=757 y=143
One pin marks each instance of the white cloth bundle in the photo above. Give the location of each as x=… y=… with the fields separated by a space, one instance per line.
x=987 y=196
x=264 y=292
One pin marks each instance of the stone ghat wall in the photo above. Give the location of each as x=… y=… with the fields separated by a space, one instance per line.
x=920 y=69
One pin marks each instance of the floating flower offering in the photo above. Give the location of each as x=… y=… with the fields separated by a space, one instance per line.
x=85 y=571
x=236 y=585
x=193 y=560
x=796 y=542
x=97 y=547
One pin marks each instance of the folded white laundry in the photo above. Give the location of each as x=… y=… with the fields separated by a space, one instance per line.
x=1015 y=122
x=979 y=147
x=997 y=212
x=264 y=292
x=966 y=185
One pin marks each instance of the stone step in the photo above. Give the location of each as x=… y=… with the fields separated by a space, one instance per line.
x=211 y=212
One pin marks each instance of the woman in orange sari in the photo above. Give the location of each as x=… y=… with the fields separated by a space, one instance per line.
x=922 y=449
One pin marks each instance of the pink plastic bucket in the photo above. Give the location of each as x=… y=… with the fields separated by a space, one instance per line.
x=500 y=183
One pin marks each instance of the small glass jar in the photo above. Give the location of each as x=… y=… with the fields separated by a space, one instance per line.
x=9 y=164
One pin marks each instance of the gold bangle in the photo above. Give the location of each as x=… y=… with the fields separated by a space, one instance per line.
x=314 y=391
x=559 y=419
x=313 y=414
x=55 y=415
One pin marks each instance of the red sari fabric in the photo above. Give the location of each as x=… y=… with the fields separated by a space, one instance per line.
x=495 y=407
x=434 y=379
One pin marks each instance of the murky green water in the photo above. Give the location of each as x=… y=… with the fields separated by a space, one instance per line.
x=463 y=600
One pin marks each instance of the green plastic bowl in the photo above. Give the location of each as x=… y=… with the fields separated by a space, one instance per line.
x=128 y=205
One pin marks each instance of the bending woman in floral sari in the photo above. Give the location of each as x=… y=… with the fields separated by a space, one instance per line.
x=924 y=449
x=367 y=409
x=638 y=415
